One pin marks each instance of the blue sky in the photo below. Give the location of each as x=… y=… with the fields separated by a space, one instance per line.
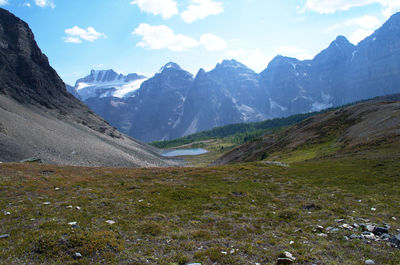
x=142 y=35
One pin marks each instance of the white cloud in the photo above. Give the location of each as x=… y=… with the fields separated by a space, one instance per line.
x=199 y=9
x=165 y=8
x=366 y=22
x=254 y=59
x=3 y=2
x=76 y=35
x=212 y=42
x=359 y=35
x=332 y=6
x=45 y=3
x=26 y=4
x=162 y=37
x=365 y=27
x=293 y=51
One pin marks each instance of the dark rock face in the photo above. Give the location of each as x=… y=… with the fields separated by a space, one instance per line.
x=173 y=103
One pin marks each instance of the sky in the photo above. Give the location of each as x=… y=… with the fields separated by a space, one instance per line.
x=140 y=36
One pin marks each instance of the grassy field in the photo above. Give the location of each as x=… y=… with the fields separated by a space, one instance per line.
x=238 y=214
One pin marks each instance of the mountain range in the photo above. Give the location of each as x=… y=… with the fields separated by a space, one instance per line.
x=40 y=120
x=174 y=103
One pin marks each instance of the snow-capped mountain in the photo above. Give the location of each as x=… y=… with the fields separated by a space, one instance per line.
x=174 y=103
x=107 y=83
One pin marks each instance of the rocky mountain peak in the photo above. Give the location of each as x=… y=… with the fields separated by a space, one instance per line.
x=231 y=64
x=170 y=66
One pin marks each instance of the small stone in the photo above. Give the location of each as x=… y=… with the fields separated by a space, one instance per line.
x=140 y=200
x=73 y=224
x=77 y=255
x=286 y=258
x=57 y=189
x=319 y=228
x=347 y=226
x=4 y=236
x=110 y=222
x=355 y=225
x=396 y=239
x=46 y=203
x=224 y=252
x=77 y=207
x=353 y=236
x=369 y=262
x=368 y=235
x=194 y=264
x=339 y=220
x=394 y=218
x=373 y=209
x=346 y=238
x=334 y=230
x=232 y=251
x=380 y=230
x=370 y=228
x=322 y=235
x=291 y=242
x=69 y=207
x=385 y=236
x=7 y=213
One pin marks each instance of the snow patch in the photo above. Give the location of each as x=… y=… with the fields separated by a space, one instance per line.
x=192 y=127
x=128 y=88
x=353 y=54
x=275 y=105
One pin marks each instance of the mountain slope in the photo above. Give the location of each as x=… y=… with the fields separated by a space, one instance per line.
x=39 y=118
x=366 y=124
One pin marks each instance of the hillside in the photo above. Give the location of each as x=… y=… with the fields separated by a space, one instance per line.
x=346 y=130
x=40 y=119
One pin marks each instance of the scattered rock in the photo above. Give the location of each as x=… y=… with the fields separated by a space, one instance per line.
x=286 y=258
x=319 y=228
x=354 y=236
x=339 y=220
x=77 y=207
x=370 y=228
x=46 y=203
x=385 y=236
x=373 y=209
x=334 y=230
x=380 y=230
x=69 y=207
x=368 y=235
x=73 y=224
x=4 y=236
x=347 y=226
x=346 y=238
x=194 y=264
x=224 y=252
x=394 y=218
x=396 y=239
x=77 y=255
x=7 y=213
x=57 y=189
x=322 y=235
x=369 y=262
x=110 y=222
x=291 y=242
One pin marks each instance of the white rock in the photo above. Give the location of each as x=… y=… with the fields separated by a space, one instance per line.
x=291 y=242
x=394 y=218
x=232 y=251
x=322 y=235
x=110 y=222
x=77 y=255
x=289 y=255
x=77 y=207
x=224 y=252
x=7 y=213
x=141 y=200
x=46 y=203
x=69 y=207
x=57 y=188
x=369 y=262
x=373 y=209
x=72 y=223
